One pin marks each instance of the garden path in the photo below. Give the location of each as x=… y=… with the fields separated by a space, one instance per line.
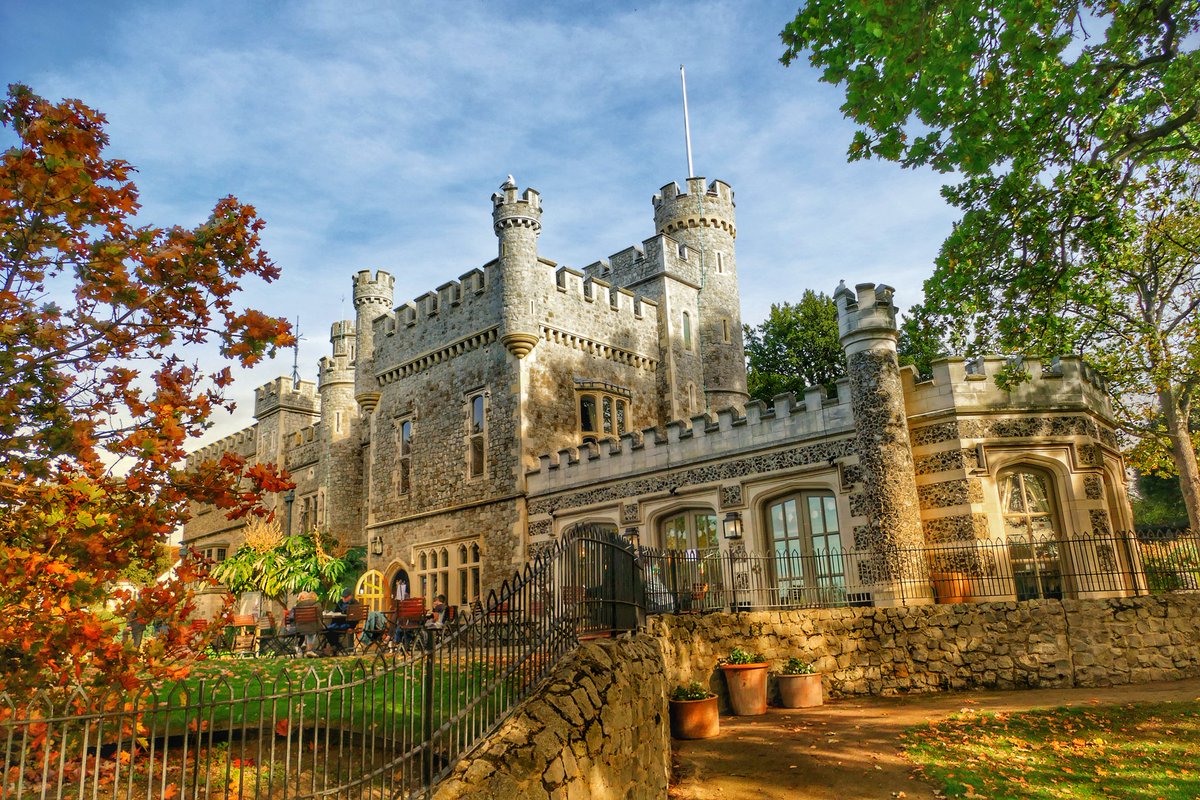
x=849 y=749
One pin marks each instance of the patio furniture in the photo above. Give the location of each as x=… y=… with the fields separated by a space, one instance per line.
x=410 y=618
x=244 y=628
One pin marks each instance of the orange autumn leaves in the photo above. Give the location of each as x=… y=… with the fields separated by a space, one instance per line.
x=100 y=390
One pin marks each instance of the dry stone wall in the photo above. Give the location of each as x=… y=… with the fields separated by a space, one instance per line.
x=1043 y=643
x=598 y=729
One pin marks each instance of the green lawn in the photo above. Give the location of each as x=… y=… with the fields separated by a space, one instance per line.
x=1128 y=751
x=221 y=693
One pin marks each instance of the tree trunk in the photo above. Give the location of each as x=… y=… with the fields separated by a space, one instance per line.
x=1184 y=454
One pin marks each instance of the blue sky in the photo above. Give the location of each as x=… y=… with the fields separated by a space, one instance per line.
x=371 y=135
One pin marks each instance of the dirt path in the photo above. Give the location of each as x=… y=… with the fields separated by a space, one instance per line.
x=850 y=749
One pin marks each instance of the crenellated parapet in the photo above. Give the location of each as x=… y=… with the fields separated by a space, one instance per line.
x=513 y=210
x=699 y=207
x=243 y=443
x=373 y=288
x=285 y=394
x=958 y=384
x=788 y=420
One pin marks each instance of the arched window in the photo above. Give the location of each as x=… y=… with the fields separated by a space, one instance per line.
x=804 y=538
x=694 y=529
x=1031 y=528
x=687 y=331
x=476 y=436
x=689 y=574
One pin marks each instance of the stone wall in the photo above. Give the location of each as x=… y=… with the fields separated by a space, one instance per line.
x=1043 y=643
x=597 y=729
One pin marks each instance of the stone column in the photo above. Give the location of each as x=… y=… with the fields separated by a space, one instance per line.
x=867 y=328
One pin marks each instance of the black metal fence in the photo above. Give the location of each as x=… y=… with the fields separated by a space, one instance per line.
x=390 y=726
x=1017 y=568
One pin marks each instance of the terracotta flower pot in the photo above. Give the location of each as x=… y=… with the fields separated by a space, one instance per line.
x=695 y=719
x=747 y=688
x=800 y=691
x=951 y=587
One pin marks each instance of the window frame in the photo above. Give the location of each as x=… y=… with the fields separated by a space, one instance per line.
x=1037 y=564
x=476 y=435
x=804 y=573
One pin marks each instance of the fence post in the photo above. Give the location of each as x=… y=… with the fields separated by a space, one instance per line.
x=732 y=573
x=427 y=709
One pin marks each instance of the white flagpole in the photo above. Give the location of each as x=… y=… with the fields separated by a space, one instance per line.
x=687 y=128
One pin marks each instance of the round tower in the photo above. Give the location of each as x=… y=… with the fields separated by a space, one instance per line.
x=517 y=221
x=372 y=299
x=867 y=329
x=702 y=221
x=336 y=382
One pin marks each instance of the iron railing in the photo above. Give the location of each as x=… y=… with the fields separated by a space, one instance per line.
x=1017 y=568
x=388 y=727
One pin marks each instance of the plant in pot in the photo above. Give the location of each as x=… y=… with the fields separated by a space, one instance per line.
x=746 y=676
x=799 y=685
x=693 y=711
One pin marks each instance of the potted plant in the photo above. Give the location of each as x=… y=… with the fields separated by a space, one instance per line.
x=799 y=685
x=746 y=677
x=694 y=712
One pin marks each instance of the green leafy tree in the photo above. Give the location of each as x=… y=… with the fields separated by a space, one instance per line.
x=278 y=565
x=1073 y=130
x=920 y=341
x=796 y=346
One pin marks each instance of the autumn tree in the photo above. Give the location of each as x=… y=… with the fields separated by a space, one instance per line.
x=100 y=321
x=1057 y=120
x=795 y=347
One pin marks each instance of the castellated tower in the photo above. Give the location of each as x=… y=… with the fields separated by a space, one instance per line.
x=867 y=328
x=372 y=299
x=517 y=222
x=702 y=221
x=340 y=473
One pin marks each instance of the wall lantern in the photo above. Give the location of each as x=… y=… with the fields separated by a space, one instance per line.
x=732 y=525
x=377 y=545
x=633 y=537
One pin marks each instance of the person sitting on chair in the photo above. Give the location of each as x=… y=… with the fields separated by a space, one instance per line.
x=305 y=599
x=334 y=629
x=437 y=614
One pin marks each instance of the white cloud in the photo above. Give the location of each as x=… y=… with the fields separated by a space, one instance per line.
x=370 y=135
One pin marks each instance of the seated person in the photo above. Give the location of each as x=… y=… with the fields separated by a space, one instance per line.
x=437 y=614
x=305 y=599
x=333 y=631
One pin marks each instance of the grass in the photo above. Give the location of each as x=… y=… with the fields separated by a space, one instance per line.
x=1127 y=751
x=224 y=693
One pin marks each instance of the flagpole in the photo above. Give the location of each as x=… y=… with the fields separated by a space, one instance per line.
x=687 y=128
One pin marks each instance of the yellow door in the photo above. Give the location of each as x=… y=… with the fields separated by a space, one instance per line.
x=369 y=590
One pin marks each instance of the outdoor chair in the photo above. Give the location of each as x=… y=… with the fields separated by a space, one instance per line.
x=245 y=634
x=270 y=642
x=307 y=623
x=410 y=618
x=341 y=640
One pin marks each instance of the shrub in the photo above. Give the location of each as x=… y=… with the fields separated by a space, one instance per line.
x=693 y=691
x=740 y=655
x=795 y=666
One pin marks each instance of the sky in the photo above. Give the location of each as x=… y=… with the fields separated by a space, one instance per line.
x=370 y=135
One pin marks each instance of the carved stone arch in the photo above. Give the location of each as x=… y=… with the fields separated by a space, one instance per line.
x=655 y=518
x=1048 y=461
x=757 y=527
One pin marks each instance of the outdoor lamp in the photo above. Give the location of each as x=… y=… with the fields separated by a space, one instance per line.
x=377 y=545
x=632 y=535
x=732 y=525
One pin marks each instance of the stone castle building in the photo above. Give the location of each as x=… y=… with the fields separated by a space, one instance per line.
x=456 y=433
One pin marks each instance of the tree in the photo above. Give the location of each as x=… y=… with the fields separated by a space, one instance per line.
x=1061 y=119
x=278 y=565
x=795 y=347
x=97 y=401
x=920 y=341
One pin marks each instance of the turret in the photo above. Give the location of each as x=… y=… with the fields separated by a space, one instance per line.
x=338 y=405
x=517 y=221
x=372 y=299
x=702 y=221
x=867 y=328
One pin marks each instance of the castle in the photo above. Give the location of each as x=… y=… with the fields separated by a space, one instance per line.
x=455 y=434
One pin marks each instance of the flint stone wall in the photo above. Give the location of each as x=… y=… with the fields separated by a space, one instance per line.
x=1042 y=643
x=597 y=729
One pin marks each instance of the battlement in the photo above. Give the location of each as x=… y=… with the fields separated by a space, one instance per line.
x=960 y=384
x=341 y=330
x=698 y=207
x=283 y=392
x=373 y=288
x=786 y=421
x=866 y=316
x=603 y=295
x=244 y=443
x=439 y=303
x=338 y=368
x=510 y=210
